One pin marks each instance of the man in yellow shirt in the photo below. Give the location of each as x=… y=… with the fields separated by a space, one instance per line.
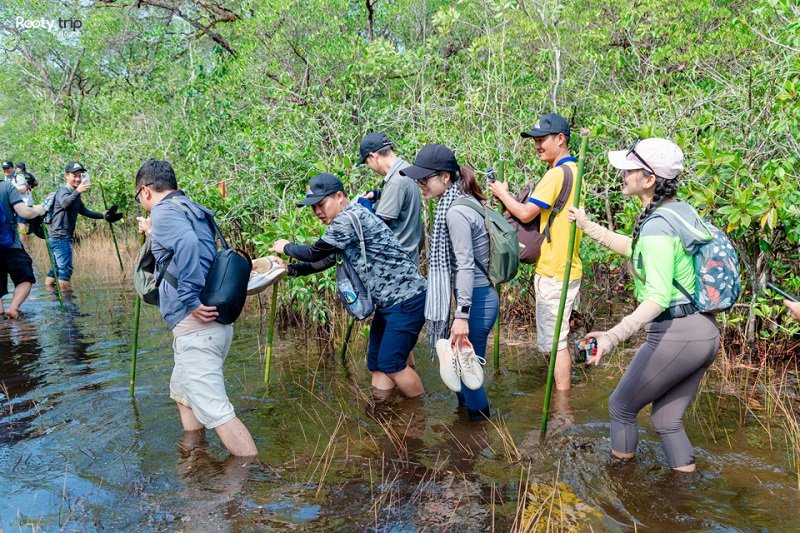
x=551 y=136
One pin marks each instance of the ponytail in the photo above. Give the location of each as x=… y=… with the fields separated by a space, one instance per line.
x=468 y=184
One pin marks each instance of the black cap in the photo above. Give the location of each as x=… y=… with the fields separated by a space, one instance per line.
x=431 y=159
x=8 y=164
x=372 y=142
x=549 y=124
x=20 y=166
x=319 y=187
x=74 y=166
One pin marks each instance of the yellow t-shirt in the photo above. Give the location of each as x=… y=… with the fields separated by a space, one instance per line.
x=553 y=257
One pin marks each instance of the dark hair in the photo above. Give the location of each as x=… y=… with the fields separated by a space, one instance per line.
x=468 y=184
x=665 y=189
x=158 y=175
x=386 y=150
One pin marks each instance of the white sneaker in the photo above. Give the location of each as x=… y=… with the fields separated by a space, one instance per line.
x=259 y=282
x=448 y=365
x=470 y=365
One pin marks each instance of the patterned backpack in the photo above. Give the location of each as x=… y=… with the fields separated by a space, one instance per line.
x=716 y=264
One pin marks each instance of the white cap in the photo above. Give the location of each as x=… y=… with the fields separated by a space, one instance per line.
x=662 y=156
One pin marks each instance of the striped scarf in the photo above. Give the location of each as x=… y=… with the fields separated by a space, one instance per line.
x=437 y=301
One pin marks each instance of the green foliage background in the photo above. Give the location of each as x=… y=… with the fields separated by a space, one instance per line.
x=264 y=94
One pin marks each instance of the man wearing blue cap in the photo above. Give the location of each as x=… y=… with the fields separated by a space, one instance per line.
x=551 y=138
x=390 y=275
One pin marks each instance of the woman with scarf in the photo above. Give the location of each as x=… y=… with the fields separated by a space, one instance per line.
x=458 y=261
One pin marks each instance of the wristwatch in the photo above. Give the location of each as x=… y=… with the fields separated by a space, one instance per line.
x=464 y=309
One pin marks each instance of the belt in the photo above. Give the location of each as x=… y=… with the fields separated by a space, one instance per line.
x=676 y=311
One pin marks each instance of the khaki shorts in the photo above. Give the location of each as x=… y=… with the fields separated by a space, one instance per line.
x=548 y=296
x=197 y=379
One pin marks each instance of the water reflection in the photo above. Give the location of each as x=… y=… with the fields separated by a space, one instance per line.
x=77 y=453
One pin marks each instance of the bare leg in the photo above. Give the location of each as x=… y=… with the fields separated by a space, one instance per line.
x=193 y=439
x=408 y=382
x=21 y=292
x=236 y=438
x=563 y=369
x=188 y=420
x=381 y=381
x=49 y=282
x=411 y=361
x=65 y=285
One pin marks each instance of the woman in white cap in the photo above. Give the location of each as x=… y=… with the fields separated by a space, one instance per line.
x=681 y=342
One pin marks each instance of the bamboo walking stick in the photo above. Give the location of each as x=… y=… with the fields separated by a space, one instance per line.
x=110 y=225
x=501 y=167
x=53 y=264
x=270 y=334
x=564 y=285
x=137 y=310
x=343 y=351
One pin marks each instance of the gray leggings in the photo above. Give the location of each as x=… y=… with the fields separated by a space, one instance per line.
x=666 y=371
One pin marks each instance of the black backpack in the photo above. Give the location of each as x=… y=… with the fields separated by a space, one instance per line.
x=226 y=282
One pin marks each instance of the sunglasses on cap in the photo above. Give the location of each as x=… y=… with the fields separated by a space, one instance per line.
x=632 y=150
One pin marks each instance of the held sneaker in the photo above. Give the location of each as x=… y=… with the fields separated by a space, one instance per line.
x=448 y=365
x=260 y=281
x=471 y=366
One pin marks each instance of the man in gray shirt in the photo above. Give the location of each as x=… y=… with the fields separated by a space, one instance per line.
x=14 y=260
x=67 y=205
x=399 y=204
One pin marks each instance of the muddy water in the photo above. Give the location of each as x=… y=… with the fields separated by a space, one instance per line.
x=76 y=453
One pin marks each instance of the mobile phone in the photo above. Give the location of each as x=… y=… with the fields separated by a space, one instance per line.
x=491 y=175
x=782 y=292
x=86 y=179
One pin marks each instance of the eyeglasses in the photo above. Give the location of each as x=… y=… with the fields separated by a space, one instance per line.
x=136 y=197
x=424 y=181
x=632 y=150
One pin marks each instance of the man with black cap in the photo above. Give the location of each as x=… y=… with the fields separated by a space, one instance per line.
x=8 y=170
x=393 y=280
x=551 y=137
x=67 y=205
x=20 y=181
x=399 y=203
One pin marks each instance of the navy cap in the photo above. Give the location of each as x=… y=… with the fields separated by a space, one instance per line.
x=8 y=164
x=550 y=124
x=372 y=142
x=431 y=159
x=74 y=166
x=319 y=187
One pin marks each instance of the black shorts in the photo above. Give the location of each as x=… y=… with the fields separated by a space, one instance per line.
x=15 y=262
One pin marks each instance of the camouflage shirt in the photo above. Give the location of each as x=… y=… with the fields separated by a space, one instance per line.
x=389 y=272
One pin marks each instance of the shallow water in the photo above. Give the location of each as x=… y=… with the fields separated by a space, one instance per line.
x=77 y=453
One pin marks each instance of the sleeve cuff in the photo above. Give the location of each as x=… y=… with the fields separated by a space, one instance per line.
x=540 y=203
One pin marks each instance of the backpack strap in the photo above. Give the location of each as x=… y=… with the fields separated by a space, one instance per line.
x=672 y=219
x=360 y=234
x=485 y=214
x=215 y=231
x=561 y=201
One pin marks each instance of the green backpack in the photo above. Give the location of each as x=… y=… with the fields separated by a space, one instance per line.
x=503 y=244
